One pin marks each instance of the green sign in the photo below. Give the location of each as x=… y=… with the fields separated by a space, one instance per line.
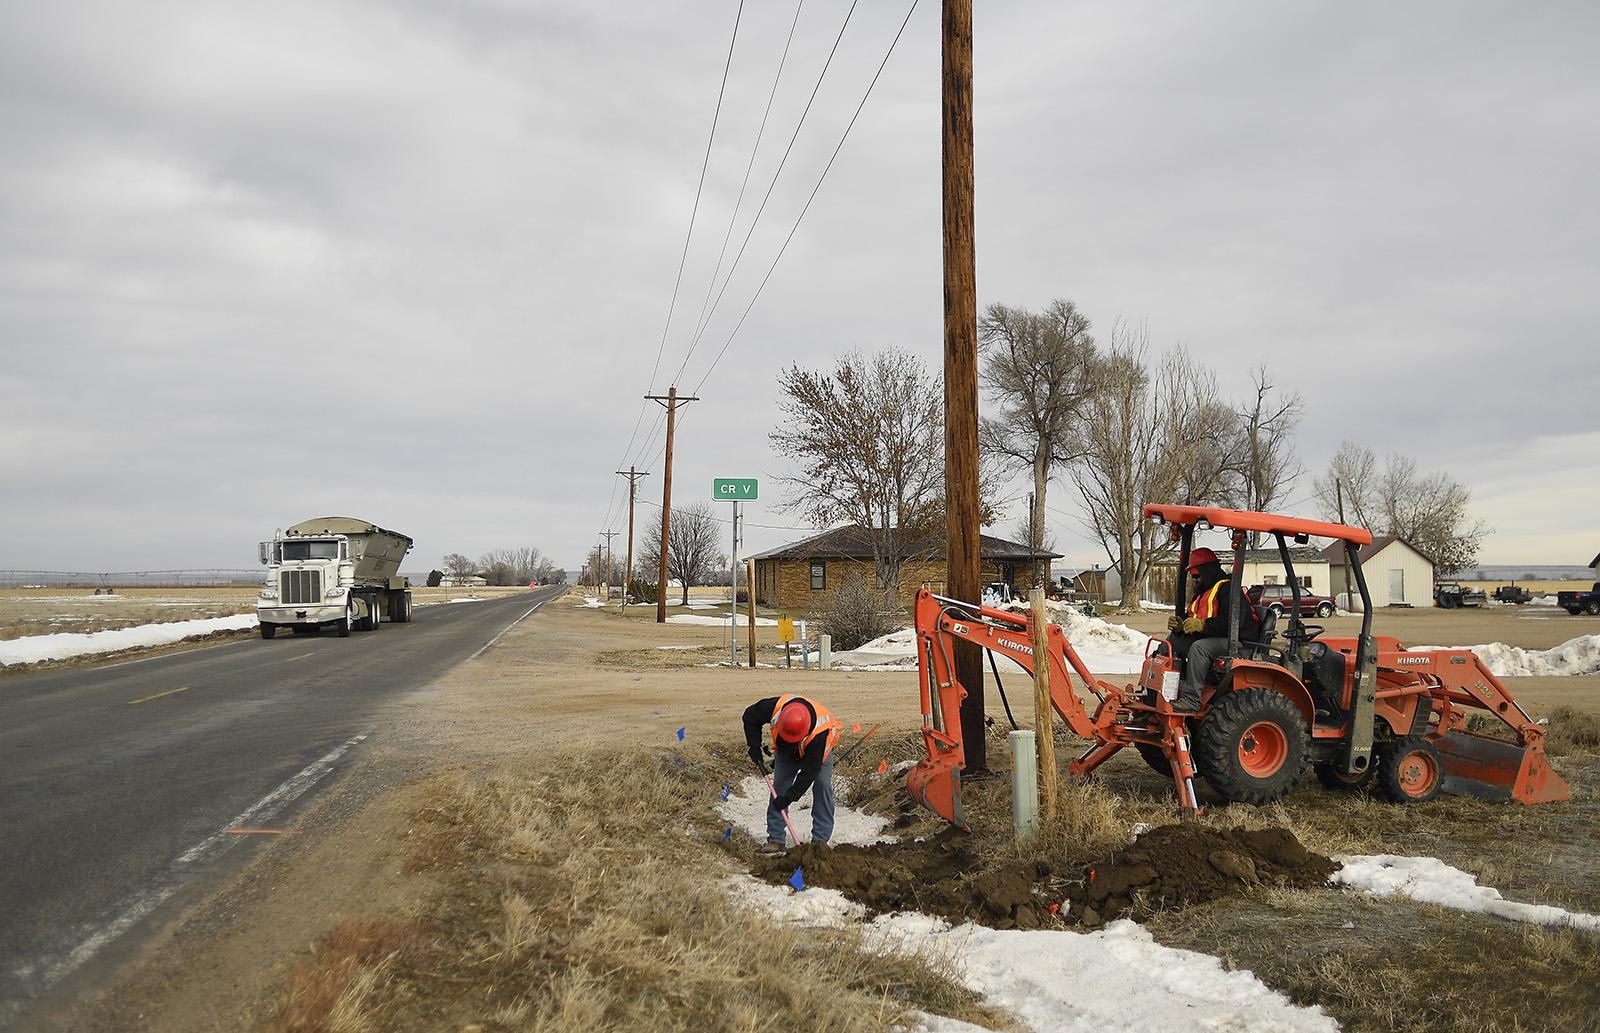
x=734 y=489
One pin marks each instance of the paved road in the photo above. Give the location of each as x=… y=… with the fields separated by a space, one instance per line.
x=119 y=785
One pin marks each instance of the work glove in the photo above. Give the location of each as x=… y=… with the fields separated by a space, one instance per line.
x=1192 y=625
x=782 y=801
x=1173 y=622
x=755 y=758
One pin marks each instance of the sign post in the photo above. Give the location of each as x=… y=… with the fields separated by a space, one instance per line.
x=736 y=490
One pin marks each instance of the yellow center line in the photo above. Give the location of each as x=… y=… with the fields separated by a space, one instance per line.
x=159 y=695
x=302 y=656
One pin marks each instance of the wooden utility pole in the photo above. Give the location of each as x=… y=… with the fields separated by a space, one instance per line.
x=964 y=571
x=1043 y=710
x=671 y=401
x=627 y=578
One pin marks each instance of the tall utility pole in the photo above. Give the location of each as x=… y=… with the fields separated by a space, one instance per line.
x=627 y=578
x=964 y=564
x=671 y=401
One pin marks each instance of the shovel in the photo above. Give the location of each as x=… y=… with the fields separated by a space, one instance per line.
x=771 y=789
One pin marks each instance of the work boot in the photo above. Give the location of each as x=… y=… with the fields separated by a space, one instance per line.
x=770 y=847
x=1186 y=705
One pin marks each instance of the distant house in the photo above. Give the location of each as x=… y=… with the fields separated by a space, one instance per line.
x=466 y=581
x=1594 y=565
x=1397 y=573
x=802 y=575
x=1258 y=567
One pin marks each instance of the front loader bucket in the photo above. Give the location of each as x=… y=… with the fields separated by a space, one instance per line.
x=1490 y=769
x=936 y=784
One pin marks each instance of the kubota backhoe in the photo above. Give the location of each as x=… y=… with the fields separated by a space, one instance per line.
x=1357 y=710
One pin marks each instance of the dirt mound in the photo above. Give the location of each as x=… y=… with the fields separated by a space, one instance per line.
x=1168 y=867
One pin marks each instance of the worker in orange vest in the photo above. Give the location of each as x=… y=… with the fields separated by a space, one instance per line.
x=803 y=737
x=1202 y=636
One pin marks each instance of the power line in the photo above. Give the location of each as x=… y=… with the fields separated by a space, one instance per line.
x=795 y=228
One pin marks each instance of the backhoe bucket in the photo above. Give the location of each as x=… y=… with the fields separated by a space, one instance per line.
x=936 y=784
x=1490 y=769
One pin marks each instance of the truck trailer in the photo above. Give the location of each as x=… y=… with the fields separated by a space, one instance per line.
x=333 y=572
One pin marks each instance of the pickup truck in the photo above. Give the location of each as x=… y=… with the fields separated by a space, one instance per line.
x=1580 y=602
x=1452 y=595
x=1279 y=598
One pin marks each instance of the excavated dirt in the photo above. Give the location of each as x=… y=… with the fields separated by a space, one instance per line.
x=1166 y=868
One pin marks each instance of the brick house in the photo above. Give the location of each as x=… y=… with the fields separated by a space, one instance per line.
x=800 y=576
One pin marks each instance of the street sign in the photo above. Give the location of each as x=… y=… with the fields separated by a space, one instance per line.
x=785 y=629
x=734 y=489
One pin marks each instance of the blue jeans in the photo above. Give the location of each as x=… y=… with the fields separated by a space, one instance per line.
x=784 y=771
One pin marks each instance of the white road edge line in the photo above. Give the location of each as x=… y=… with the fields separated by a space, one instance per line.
x=491 y=643
x=136 y=908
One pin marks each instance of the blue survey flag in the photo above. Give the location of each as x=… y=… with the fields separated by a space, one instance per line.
x=680 y=735
x=796 y=881
x=728 y=834
x=727 y=787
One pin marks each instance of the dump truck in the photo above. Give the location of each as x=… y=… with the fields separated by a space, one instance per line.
x=333 y=572
x=1360 y=711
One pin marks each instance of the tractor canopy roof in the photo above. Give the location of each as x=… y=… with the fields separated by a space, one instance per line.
x=1241 y=520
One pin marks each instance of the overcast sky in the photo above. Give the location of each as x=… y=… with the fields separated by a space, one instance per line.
x=414 y=261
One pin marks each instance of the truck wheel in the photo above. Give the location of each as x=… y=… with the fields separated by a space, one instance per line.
x=1252 y=746
x=1332 y=778
x=374 y=611
x=1593 y=608
x=1410 y=770
x=268 y=630
x=345 y=622
x=1325 y=610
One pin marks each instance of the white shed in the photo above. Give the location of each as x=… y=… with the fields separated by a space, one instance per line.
x=1397 y=573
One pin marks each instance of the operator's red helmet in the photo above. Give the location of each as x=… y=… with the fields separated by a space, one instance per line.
x=1200 y=557
x=794 y=721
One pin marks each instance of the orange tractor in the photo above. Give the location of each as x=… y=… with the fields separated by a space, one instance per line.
x=1358 y=711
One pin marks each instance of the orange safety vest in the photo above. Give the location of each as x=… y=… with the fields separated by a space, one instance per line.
x=1204 y=605
x=825 y=723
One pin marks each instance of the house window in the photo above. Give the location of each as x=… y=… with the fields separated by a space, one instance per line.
x=819 y=575
x=1305 y=582
x=1270 y=579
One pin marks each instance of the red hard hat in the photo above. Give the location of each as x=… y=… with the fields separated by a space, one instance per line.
x=1201 y=556
x=794 y=721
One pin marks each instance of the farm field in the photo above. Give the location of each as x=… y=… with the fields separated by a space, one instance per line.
x=533 y=846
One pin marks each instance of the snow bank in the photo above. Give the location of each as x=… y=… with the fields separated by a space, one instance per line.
x=31 y=649
x=1431 y=881
x=1574 y=657
x=1105 y=647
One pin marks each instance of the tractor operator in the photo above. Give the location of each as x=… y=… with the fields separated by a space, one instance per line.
x=803 y=737
x=1201 y=637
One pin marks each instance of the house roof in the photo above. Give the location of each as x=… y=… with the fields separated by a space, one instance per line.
x=1335 y=552
x=855 y=542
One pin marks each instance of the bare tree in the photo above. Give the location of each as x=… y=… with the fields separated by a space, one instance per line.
x=458 y=566
x=1349 y=491
x=1163 y=436
x=692 y=554
x=1039 y=369
x=1268 y=465
x=1428 y=511
x=869 y=442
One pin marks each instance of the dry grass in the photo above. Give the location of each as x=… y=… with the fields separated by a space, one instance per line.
x=583 y=891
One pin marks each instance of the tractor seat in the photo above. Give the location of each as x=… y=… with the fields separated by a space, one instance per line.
x=1264 y=650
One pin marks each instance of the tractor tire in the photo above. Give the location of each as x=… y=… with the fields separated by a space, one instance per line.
x=1252 y=746
x=1332 y=778
x=268 y=630
x=1155 y=758
x=1325 y=610
x=1410 y=770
